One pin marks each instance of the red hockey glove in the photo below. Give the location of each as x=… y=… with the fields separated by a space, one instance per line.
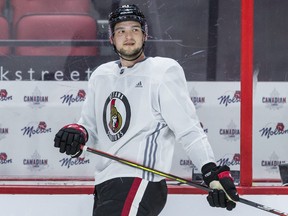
x=69 y=138
x=224 y=193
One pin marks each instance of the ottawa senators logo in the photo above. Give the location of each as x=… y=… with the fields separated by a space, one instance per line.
x=116 y=116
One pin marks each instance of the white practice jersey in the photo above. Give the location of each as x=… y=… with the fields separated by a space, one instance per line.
x=142 y=113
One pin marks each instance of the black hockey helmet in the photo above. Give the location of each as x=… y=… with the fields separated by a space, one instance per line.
x=127 y=13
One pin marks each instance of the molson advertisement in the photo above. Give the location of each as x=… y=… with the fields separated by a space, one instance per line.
x=32 y=111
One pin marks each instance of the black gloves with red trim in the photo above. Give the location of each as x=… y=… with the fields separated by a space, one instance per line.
x=219 y=179
x=69 y=138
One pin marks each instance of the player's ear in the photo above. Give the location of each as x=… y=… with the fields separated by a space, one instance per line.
x=111 y=40
x=145 y=37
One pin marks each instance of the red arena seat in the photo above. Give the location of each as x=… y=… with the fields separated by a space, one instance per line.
x=2 y=4
x=4 y=34
x=56 y=27
x=23 y=7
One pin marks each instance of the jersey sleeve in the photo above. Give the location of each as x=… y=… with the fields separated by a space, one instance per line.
x=178 y=111
x=88 y=118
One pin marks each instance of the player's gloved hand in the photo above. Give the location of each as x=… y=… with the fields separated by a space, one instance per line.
x=218 y=178
x=69 y=138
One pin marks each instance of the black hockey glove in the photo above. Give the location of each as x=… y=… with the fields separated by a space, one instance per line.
x=224 y=193
x=69 y=138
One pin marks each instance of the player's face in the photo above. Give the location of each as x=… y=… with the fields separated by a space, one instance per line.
x=128 y=38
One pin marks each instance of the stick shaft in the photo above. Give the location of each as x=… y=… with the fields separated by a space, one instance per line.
x=138 y=166
x=177 y=178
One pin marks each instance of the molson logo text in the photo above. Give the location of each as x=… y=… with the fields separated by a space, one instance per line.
x=4 y=95
x=34 y=128
x=229 y=160
x=72 y=98
x=68 y=162
x=232 y=98
x=4 y=158
x=273 y=130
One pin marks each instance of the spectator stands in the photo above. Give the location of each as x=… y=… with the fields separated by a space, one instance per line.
x=56 y=27
x=4 y=30
x=21 y=8
x=33 y=20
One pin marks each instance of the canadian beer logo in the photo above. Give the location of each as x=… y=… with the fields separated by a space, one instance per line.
x=36 y=100
x=230 y=98
x=3 y=132
x=196 y=99
x=272 y=129
x=271 y=165
x=274 y=101
x=35 y=128
x=36 y=163
x=231 y=132
x=4 y=95
x=187 y=162
x=74 y=98
x=116 y=115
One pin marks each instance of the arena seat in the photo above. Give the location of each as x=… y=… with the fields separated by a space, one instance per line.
x=24 y=7
x=4 y=34
x=56 y=27
x=2 y=4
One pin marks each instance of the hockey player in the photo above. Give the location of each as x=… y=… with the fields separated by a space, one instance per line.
x=138 y=108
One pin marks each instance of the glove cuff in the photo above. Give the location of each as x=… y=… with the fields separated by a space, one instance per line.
x=207 y=173
x=211 y=172
x=79 y=128
x=208 y=167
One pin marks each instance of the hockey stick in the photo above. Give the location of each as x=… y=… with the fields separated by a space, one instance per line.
x=176 y=178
